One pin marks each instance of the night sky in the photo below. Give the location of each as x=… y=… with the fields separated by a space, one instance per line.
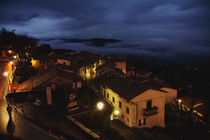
x=152 y=27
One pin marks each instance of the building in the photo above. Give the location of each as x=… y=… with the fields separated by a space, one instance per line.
x=35 y=62
x=62 y=60
x=117 y=62
x=135 y=105
x=108 y=71
x=171 y=94
x=196 y=106
x=57 y=77
x=87 y=64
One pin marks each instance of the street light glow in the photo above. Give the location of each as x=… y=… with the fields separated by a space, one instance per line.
x=100 y=105
x=6 y=73
x=11 y=62
x=15 y=56
x=116 y=112
x=10 y=51
x=179 y=100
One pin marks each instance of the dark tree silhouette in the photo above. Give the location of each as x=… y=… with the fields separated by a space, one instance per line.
x=10 y=40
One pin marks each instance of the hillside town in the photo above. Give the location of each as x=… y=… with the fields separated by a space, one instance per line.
x=82 y=95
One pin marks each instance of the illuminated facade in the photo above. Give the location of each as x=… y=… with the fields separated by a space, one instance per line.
x=89 y=72
x=145 y=110
x=138 y=106
x=63 y=62
x=35 y=63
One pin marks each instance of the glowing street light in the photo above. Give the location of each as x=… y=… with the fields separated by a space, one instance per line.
x=100 y=105
x=116 y=112
x=10 y=51
x=6 y=73
x=11 y=62
x=179 y=100
x=15 y=56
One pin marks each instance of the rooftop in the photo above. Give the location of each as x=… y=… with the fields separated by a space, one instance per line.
x=126 y=89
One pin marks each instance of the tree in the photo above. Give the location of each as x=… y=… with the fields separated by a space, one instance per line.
x=10 y=40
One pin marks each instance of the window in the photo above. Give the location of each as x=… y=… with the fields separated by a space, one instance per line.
x=140 y=122
x=149 y=104
x=127 y=120
x=120 y=104
x=113 y=99
x=107 y=95
x=144 y=121
x=122 y=116
x=127 y=110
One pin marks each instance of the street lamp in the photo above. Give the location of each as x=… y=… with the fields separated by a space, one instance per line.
x=5 y=73
x=180 y=104
x=100 y=105
x=11 y=62
x=10 y=51
x=116 y=112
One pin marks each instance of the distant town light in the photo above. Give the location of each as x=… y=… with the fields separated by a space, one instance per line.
x=5 y=74
x=15 y=56
x=100 y=105
x=179 y=100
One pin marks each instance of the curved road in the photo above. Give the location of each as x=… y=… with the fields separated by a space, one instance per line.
x=23 y=129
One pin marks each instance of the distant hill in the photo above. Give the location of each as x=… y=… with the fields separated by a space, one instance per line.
x=93 y=41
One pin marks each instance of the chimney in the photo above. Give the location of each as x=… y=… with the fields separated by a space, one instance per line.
x=49 y=95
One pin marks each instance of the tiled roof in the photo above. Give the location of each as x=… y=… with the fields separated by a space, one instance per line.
x=124 y=88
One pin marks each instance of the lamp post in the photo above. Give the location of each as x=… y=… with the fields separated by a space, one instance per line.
x=6 y=74
x=180 y=104
x=100 y=105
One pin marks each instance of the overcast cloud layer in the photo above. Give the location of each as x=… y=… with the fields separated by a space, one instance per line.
x=175 y=25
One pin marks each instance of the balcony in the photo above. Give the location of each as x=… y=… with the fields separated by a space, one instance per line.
x=149 y=112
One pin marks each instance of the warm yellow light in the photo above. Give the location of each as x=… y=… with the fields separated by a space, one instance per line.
x=6 y=73
x=116 y=112
x=11 y=62
x=100 y=105
x=15 y=56
x=88 y=75
x=179 y=100
x=10 y=51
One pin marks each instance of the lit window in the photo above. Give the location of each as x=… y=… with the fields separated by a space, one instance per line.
x=113 y=99
x=127 y=110
x=120 y=104
x=141 y=122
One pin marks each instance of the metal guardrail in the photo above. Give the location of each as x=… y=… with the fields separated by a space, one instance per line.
x=84 y=128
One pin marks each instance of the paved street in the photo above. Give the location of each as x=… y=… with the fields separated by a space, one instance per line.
x=23 y=129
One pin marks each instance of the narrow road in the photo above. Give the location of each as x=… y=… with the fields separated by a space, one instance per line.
x=23 y=129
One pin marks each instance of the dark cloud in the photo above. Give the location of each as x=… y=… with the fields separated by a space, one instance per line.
x=19 y=18
x=158 y=25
